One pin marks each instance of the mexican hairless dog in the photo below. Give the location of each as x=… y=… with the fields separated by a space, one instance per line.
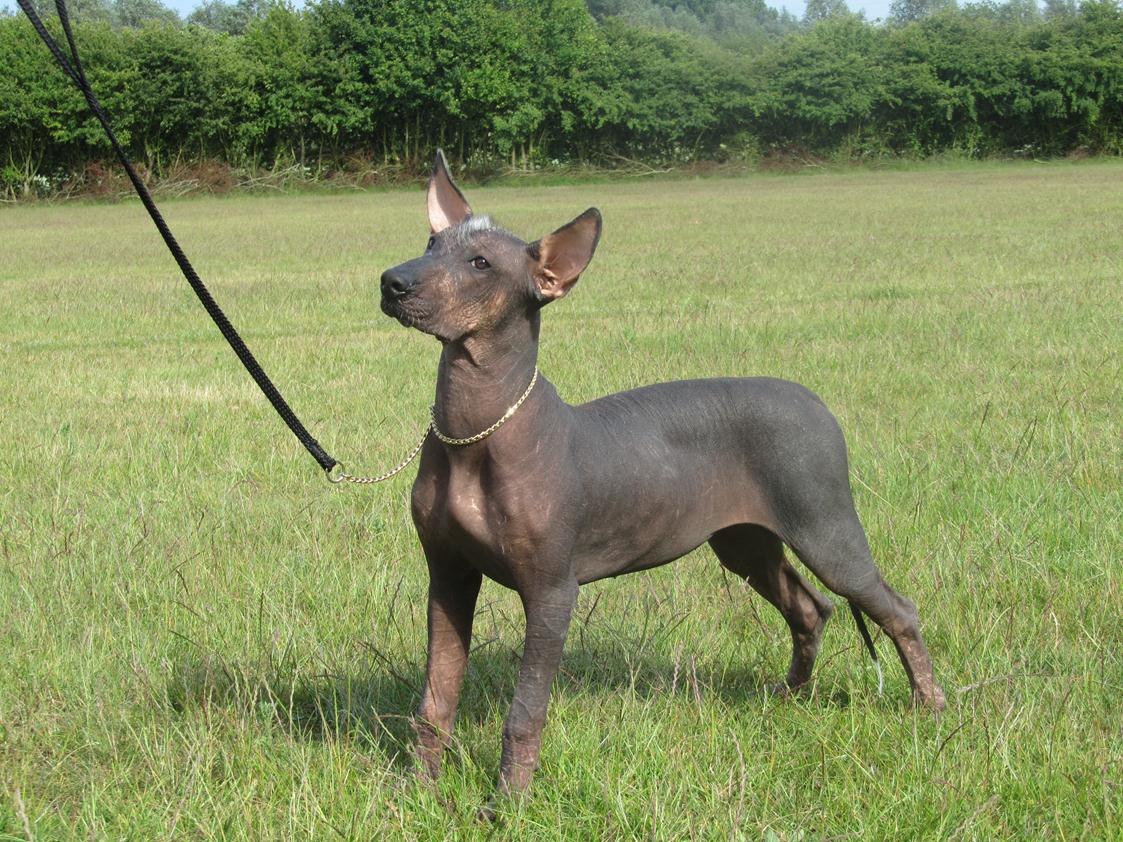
x=555 y=496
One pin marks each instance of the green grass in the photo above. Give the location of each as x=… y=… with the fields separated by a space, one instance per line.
x=201 y=639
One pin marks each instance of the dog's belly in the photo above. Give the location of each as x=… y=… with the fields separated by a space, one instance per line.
x=602 y=567
x=659 y=531
x=503 y=553
x=649 y=515
x=664 y=467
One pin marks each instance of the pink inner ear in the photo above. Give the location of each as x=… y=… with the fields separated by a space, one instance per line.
x=446 y=205
x=563 y=264
x=441 y=216
x=566 y=252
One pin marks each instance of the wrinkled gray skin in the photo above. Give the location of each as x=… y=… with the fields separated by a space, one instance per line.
x=562 y=495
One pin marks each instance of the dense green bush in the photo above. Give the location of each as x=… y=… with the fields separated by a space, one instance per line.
x=521 y=83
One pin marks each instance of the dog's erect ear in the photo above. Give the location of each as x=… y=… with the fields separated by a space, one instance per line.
x=561 y=257
x=447 y=205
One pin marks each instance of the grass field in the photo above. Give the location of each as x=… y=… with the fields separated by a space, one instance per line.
x=201 y=639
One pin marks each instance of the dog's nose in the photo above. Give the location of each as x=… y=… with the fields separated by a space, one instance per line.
x=395 y=285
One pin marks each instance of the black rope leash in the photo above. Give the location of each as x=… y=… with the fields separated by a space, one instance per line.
x=73 y=68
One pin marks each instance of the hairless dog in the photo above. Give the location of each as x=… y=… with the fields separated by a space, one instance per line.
x=540 y=496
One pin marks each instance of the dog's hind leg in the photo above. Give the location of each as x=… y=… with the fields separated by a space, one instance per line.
x=757 y=555
x=841 y=558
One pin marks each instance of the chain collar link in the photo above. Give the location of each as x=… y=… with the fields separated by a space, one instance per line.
x=483 y=435
x=343 y=476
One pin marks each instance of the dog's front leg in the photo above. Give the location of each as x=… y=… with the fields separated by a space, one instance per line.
x=452 y=602
x=549 y=607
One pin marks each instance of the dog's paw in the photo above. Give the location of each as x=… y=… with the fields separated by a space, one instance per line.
x=930 y=698
x=786 y=690
x=486 y=814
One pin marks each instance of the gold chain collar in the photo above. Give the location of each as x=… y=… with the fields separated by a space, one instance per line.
x=342 y=476
x=481 y=436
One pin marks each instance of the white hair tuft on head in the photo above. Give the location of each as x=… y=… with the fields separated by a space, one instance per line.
x=463 y=232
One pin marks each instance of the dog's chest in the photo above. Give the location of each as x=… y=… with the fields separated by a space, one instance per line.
x=467 y=509
x=454 y=509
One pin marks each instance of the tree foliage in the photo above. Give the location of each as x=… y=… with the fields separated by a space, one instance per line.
x=518 y=82
x=817 y=10
x=903 y=12
x=231 y=18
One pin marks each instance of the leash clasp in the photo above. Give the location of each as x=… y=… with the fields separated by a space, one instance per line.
x=336 y=474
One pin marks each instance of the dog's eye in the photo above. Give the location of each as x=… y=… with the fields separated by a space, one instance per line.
x=479 y=262
x=429 y=245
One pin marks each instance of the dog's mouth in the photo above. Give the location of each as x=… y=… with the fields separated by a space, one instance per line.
x=396 y=309
x=406 y=315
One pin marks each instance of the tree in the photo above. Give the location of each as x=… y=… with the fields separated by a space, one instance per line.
x=80 y=11
x=738 y=24
x=818 y=10
x=902 y=12
x=522 y=82
x=821 y=89
x=1060 y=9
x=138 y=12
x=231 y=18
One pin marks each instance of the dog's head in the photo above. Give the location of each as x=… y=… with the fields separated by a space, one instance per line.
x=474 y=277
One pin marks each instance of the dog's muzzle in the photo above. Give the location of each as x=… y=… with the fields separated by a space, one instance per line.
x=396 y=288
x=396 y=285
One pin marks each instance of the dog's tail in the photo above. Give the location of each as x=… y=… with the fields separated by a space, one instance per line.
x=865 y=633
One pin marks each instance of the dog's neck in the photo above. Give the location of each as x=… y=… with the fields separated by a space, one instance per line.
x=479 y=378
